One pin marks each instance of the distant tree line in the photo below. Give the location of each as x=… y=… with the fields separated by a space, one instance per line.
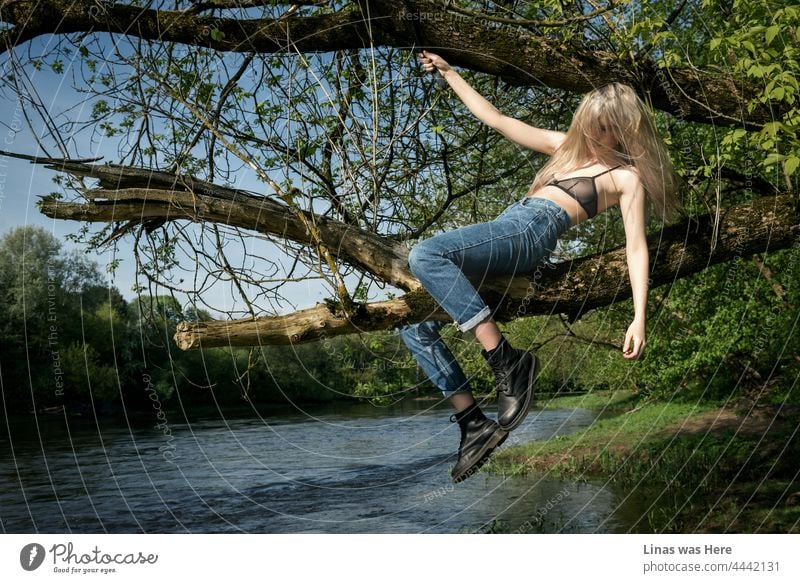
x=68 y=339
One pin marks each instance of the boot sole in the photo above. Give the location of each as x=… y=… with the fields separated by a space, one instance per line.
x=496 y=441
x=528 y=397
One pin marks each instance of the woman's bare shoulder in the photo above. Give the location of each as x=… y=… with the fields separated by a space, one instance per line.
x=629 y=185
x=626 y=171
x=627 y=176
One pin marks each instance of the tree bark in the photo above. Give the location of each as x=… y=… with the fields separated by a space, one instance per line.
x=511 y=52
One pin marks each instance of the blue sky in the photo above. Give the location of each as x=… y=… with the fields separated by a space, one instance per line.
x=22 y=182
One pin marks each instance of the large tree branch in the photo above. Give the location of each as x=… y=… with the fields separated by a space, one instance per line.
x=511 y=52
x=329 y=32
x=133 y=194
x=521 y=57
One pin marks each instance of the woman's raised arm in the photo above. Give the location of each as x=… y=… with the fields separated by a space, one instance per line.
x=632 y=203
x=528 y=136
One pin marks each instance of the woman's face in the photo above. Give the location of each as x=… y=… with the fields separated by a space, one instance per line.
x=605 y=135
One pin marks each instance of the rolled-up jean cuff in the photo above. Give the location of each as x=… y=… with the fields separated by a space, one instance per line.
x=475 y=320
x=448 y=394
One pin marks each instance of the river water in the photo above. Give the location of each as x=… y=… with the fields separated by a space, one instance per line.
x=348 y=469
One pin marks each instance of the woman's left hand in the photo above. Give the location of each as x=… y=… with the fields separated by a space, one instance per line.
x=634 y=336
x=432 y=62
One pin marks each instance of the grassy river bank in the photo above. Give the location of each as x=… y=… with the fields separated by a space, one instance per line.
x=698 y=467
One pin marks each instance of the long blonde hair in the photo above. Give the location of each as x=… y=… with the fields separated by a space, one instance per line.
x=616 y=105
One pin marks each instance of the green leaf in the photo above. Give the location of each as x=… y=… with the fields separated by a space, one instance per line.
x=773 y=158
x=778 y=93
x=771 y=33
x=791 y=165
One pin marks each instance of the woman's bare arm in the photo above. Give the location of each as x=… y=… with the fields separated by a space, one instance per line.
x=528 y=136
x=632 y=203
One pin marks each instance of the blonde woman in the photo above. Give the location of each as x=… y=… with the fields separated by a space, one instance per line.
x=610 y=155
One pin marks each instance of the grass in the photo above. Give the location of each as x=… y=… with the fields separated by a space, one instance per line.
x=598 y=401
x=705 y=468
x=591 y=449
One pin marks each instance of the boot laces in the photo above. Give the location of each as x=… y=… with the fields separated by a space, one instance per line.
x=503 y=373
x=453 y=419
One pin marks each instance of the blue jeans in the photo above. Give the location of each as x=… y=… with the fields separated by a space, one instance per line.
x=514 y=243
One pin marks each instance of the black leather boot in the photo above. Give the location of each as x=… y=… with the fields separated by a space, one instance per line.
x=515 y=372
x=479 y=438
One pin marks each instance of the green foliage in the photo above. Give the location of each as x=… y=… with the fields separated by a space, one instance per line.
x=760 y=45
x=87 y=346
x=217 y=34
x=87 y=377
x=727 y=331
x=39 y=284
